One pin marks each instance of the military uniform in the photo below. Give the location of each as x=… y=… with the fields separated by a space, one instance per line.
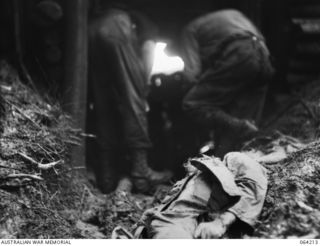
x=228 y=63
x=238 y=185
x=118 y=84
x=118 y=80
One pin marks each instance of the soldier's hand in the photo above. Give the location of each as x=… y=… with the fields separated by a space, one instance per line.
x=209 y=230
x=250 y=126
x=146 y=215
x=249 y=130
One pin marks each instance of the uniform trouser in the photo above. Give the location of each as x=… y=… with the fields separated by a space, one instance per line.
x=118 y=86
x=235 y=84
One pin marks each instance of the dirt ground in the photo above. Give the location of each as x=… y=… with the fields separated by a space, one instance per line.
x=41 y=196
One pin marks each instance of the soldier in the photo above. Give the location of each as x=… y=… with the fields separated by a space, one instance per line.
x=228 y=63
x=118 y=81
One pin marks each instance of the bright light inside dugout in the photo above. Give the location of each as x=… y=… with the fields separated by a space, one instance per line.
x=164 y=64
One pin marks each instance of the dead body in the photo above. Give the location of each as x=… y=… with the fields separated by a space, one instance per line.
x=210 y=199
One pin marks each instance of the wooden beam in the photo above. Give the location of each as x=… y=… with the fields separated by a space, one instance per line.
x=76 y=54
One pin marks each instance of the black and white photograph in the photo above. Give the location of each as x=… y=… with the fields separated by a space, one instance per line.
x=159 y=119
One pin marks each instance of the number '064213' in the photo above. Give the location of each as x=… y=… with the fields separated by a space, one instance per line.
x=309 y=242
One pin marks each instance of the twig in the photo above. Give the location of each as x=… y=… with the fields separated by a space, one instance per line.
x=26 y=116
x=2 y=166
x=75 y=168
x=75 y=138
x=50 y=199
x=76 y=130
x=6 y=88
x=47 y=152
x=88 y=135
x=23 y=175
x=72 y=142
x=23 y=114
x=40 y=166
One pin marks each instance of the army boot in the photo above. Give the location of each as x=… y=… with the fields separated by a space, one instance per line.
x=143 y=176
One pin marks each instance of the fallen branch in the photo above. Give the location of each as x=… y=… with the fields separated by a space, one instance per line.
x=23 y=175
x=72 y=142
x=40 y=165
x=2 y=166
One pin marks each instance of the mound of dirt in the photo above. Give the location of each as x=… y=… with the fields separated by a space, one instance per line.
x=41 y=196
x=292 y=206
x=302 y=119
